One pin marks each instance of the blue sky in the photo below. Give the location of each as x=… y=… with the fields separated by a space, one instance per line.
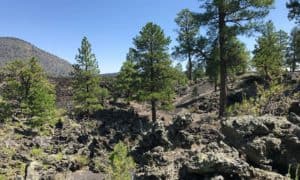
x=58 y=26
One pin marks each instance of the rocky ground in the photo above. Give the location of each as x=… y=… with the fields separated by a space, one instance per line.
x=189 y=142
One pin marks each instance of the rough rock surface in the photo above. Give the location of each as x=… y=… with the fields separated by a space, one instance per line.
x=267 y=142
x=192 y=144
x=187 y=149
x=79 y=175
x=206 y=157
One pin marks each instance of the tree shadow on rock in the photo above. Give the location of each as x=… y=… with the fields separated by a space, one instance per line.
x=119 y=124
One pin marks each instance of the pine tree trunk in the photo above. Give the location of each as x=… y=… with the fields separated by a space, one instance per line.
x=153 y=109
x=268 y=78
x=153 y=102
x=87 y=91
x=190 y=67
x=294 y=62
x=294 y=66
x=216 y=85
x=223 y=64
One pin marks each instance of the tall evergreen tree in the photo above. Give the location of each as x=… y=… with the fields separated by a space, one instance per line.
x=213 y=65
x=198 y=70
x=268 y=57
x=293 y=55
x=131 y=55
x=154 y=67
x=294 y=10
x=283 y=39
x=27 y=90
x=88 y=95
x=179 y=67
x=127 y=79
x=231 y=18
x=187 y=37
x=237 y=55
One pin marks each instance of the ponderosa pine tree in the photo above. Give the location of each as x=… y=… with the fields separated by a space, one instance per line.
x=198 y=70
x=27 y=91
x=231 y=18
x=283 y=39
x=88 y=95
x=268 y=57
x=187 y=38
x=294 y=10
x=180 y=75
x=179 y=67
x=154 y=67
x=131 y=55
x=127 y=78
x=237 y=55
x=293 y=55
x=212 y=69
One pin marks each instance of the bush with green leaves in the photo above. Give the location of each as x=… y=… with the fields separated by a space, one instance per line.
x=2 y=177
x=121 y=164
x=37 y=153
x=81 y=160
x=27 y=92
x=246 y=107
x=256 y=105
x=59 y=156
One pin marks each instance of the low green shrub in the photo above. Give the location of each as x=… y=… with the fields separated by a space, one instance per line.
x=81 y=160
x=59 y=156
x=8 y=152
x=2 y=177
x=256 y=105
x=37 y=153
x=121 y=164
x=101 y=164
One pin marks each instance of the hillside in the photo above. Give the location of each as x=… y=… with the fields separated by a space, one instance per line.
x=14 y=48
